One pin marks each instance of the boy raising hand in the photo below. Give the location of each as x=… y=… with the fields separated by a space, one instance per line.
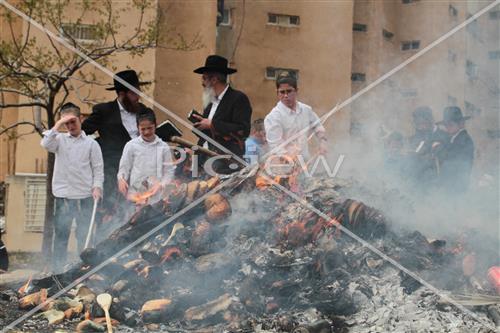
x=77 y=181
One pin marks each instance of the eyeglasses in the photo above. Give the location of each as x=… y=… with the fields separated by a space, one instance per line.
x=286 y=91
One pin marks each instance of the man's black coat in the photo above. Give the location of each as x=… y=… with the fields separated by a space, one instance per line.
x=113 y=136
x=231 y=122
x=456 y=160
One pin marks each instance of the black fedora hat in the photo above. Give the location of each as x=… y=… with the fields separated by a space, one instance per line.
x=129 y=76
x=215 y=63
x=452 y=114
x=423 y=113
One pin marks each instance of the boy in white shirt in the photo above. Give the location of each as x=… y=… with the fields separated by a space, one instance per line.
x=146 y=163
x=77 y=180
x=288 y=118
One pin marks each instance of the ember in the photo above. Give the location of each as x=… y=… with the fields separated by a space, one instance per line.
x=254 y=261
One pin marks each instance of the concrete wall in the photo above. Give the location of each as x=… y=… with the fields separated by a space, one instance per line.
x=320 y=47
x=177 y=88
x=25 y=155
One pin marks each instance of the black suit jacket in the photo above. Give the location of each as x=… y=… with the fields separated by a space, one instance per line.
x=231 y=122
x=113 y=136
x=456 y=159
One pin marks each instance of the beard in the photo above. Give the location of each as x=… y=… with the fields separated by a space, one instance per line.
x=207 y=96
x=129 y=105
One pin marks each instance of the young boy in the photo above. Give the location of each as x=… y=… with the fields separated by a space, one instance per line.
x=255 y=144
x=77 y=180
x=288 y=118
x=146 y=163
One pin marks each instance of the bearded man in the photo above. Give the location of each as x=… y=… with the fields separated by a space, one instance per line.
x=227 y=112
x=116 y=124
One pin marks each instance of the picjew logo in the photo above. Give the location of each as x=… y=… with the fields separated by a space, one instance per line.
x=277 y=165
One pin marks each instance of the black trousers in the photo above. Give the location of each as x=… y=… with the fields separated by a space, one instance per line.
x=4 y=257
x=65 y=211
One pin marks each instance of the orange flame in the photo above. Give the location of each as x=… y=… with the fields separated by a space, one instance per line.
x=24 y=288
x=142 y=198
x=170 y=253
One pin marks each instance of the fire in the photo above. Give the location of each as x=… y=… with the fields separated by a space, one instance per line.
x=288 y=177
x=170 y=253
x=142 y=198
x=25 y=287
x=307 y=229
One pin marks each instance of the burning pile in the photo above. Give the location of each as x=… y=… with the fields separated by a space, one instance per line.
x=250 y=259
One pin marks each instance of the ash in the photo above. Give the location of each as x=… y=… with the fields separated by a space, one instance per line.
x=251 y=260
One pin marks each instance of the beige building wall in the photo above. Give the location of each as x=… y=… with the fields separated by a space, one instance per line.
x=177 y=88
x=29 y=158
x=320 y=48
x=7 y=117
x=437 y=79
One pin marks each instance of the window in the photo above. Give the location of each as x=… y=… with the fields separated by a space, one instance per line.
x=471 y=69
x=359 y=27
x=80 y=32
x=452 y=101
x=226 y=17
x=272 y=73
x=283 y=20
x=34 y=204
x=452 y=56
x=409 y=93
x=360 y=77
x=473 y=27
x=387 y=34
x=452 y=11
x=494 y=54
x=410 y=45
x=495 y=15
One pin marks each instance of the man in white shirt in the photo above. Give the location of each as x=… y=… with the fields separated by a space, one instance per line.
x=77 y=180
x=290 y=117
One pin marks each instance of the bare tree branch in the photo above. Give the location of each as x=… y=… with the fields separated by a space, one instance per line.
x=19 y=124
x=20 y=105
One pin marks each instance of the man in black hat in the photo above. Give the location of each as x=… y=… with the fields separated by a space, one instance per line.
x=457 y=154
x=227 y=112
x=116 y=123
x=423 y=168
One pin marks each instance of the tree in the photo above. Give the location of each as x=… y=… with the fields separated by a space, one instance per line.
x=37 y=69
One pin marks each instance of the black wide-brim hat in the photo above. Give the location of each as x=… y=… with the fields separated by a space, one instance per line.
x=129 y=76
x=215 y=63
x=452 y=114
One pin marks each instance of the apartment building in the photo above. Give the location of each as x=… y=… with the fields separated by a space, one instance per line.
x=335 y=48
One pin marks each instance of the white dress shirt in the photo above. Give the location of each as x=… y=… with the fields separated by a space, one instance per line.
x=282 y=123
x=215 y=104
x=146 y=163
x=78 y=167
x=129 y=121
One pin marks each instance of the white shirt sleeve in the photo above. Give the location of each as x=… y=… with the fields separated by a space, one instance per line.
x=97 y=165
x=126 y=163
x=50 y=141
x=168 y=166
x=274 y=133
